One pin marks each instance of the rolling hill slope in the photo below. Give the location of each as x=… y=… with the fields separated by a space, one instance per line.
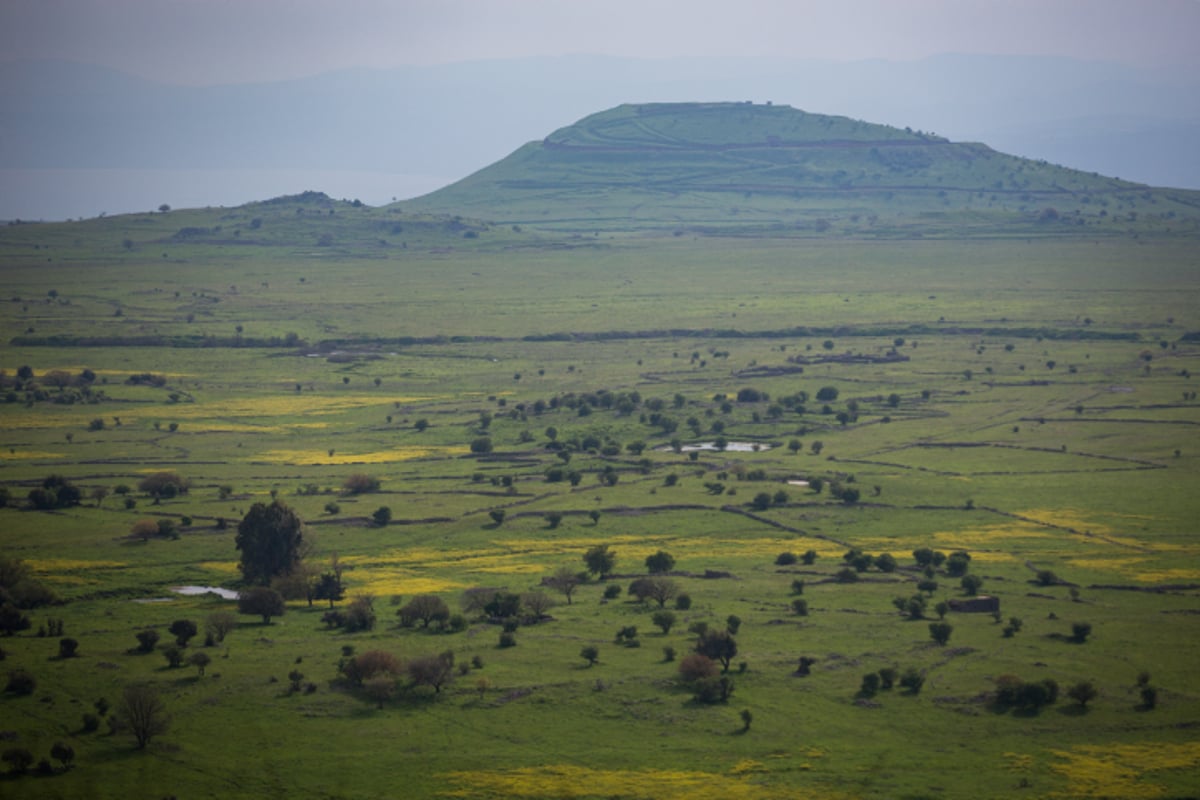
x=731 y=166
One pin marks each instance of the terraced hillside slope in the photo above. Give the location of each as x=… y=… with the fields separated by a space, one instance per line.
x=700 y=166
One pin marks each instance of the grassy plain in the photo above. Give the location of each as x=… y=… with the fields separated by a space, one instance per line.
x=1041 y=422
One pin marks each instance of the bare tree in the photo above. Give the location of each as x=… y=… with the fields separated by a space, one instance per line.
x=564 y=580
x=537 y=603
x=380 y=688
x=435 y=671
x=142 y=713
x=220 y=624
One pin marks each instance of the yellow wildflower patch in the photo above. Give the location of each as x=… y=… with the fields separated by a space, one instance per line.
x=249 y=427
x=514 y=569
x=1067 y=518
x=1115 y=564
x=27 y=455
x=51 y=565
x=1019 y=762
x=283 y=405
x=376 y=457
x=567 y=782
x=747 y=765
x=388 y=585
x=223 y=567
x=1167 y=575
x=68 y=580
x=987 y=537
x=991 y=557
x=1111 y=771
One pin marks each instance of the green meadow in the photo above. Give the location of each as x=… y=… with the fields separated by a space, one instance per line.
x=735 y=401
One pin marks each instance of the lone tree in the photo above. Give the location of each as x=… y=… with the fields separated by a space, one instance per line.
x=164 y=484
x=665 y=620
x=655 y=588
x=270 y=539
x=220 y=624
x=63 y=754
x=940 y=631
x=564 y=580
x=329 y=587
x=142 y=713
x=600 y=560
x=19 y=760
x=183 y=630
x=660 y=562
x=433 y=671
x=260 y=600
x=718 y=645
x=1083 y=693
x=424 y=608
x=199 y=660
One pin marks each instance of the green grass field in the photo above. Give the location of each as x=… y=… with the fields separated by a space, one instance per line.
x=1043 y=419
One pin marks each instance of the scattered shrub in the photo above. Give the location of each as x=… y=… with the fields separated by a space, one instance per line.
x=360 y=483
x=147 y=639
x=19 y=760
x=912 y=680
x=664 y=620
x=21 y=682
x=183 y=630
x=695 y=667
x=367 y=665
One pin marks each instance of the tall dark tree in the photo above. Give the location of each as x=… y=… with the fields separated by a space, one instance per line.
x=719 y=645
x=183 y=630
x=659 y=562
x=600 y=560
x=329 y=587
x=269 y=538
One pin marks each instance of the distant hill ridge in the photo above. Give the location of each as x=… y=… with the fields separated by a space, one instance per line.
x=737 y=165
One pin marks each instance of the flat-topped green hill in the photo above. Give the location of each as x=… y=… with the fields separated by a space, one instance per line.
x=740 y=165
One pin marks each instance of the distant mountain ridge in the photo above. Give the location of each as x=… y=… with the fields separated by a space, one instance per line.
x=442 y=122
x=737 y=165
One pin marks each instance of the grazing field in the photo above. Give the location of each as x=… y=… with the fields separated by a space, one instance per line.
x=1028 y=402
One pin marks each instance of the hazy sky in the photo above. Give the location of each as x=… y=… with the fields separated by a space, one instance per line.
x=226 y=41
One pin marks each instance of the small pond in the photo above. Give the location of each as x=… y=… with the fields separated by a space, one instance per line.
x=226 y=594
x=730 y=447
